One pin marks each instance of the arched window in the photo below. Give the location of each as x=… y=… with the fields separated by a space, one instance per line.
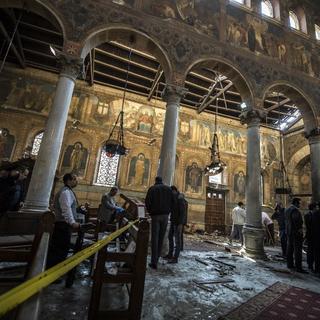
x=294 y=21
x=267 y=8
x=107 y=170
x=36 y=144
x=317 y=30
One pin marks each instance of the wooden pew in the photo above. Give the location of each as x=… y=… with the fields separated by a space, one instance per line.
x=131 y=272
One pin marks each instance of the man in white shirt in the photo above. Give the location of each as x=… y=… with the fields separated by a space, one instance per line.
x=238 y=219
x=268 y=223
x=65 y=209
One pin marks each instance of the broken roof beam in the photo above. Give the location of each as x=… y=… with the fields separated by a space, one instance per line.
x=155 y=82
x=204 y=105
x=12 y=47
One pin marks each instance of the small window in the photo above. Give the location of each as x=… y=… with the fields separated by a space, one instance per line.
x=317 y=32
x=36 y=144
x=267 y=8
x=294 y=21
x=239 y=1
x=107 y=169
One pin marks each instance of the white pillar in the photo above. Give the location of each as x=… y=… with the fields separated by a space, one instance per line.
x=252 y=230
x=172 y=95
x=43 y=174
x=314 y=143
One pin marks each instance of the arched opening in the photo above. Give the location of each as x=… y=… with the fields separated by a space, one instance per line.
x=267 y=8
x=37 y=29
x=106 y=52
x=288 y=106
x=36 y=143
x=215 y=85
x=297 y=20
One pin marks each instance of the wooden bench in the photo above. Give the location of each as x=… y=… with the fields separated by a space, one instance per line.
x=131 y=271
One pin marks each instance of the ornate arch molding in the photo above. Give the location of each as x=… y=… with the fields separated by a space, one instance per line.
x=43 y=8
x=297 y=158
x=300 y=98
x=130 y=36
x=227 y=68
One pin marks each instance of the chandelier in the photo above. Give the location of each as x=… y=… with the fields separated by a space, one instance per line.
x=115 y=142
x=217 y=165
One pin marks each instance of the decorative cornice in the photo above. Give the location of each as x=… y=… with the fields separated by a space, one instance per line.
x=70 y=66
x=313 y=136
x=252 y=117
x=173 y=93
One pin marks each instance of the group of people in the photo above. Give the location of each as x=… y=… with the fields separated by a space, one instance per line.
x=162 y=201
x=12 y=187
x=238 y=220
x=291 y=231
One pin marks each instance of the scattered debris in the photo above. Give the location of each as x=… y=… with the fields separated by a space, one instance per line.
x=213 y=281
x=221 y=262
x=202 y=261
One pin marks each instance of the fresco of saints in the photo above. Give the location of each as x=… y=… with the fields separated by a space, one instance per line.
x=139 y=170
x=194 y=178
x=75 y=159
x=240 y=184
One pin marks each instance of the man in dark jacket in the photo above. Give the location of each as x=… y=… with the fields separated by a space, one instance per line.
x=294 y=233
x=159 y=202
x=177 y=221
x=308 y=222
x=279 y=216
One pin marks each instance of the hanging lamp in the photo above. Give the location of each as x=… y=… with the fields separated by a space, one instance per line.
x=217 y=165
x=115 y=142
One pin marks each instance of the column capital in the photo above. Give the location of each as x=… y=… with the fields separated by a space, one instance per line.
x=70 y=66
x=173 y=93
x=252 y=117
x=313 y=136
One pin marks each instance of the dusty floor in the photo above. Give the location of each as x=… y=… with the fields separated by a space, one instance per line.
x=170 y=292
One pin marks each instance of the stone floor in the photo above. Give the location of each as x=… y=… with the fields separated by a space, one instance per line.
x=171 y=293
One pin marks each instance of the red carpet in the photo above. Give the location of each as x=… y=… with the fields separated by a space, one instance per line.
x=279 y=302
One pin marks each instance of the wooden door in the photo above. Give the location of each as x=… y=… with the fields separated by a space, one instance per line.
x=215 y=210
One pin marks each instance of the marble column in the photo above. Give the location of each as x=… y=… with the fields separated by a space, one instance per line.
x=314 y=143
x=43 y=174
x=252 y=230
x=172 y=95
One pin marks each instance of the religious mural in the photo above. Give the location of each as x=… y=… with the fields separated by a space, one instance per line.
x=278 y=179
x=270 y=150
x=305 y=177
x=262 y=37
x=75 y=159
x=239 y=185
x=7 y=142
x=139 y=171
x=231 y=140
x=145 y=119
x=193 y=182
x=28 y=94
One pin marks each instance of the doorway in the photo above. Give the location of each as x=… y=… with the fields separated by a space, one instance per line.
x=215 y=210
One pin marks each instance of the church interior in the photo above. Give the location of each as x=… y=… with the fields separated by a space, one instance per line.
x=181 y=86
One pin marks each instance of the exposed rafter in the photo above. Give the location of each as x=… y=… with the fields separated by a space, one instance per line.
x=155 y=82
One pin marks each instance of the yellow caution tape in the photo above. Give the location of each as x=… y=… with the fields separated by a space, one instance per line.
x=21 y=293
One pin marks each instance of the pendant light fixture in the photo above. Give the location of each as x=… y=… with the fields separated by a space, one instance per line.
x=115 y=142
x=217 y=165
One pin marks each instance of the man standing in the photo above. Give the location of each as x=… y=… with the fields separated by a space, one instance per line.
x=316 y=239
x=238 y=218
x=280 y=217
x=177 y=220
x=108 y=206
x=65 y=209
x=159 y=203
x=308 y=222
x=294 y=233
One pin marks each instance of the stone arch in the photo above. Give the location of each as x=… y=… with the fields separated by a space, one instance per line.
x=41 y=8
x=299 y=98
x=297 y=157
x=231 y=71
x=132 y=37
